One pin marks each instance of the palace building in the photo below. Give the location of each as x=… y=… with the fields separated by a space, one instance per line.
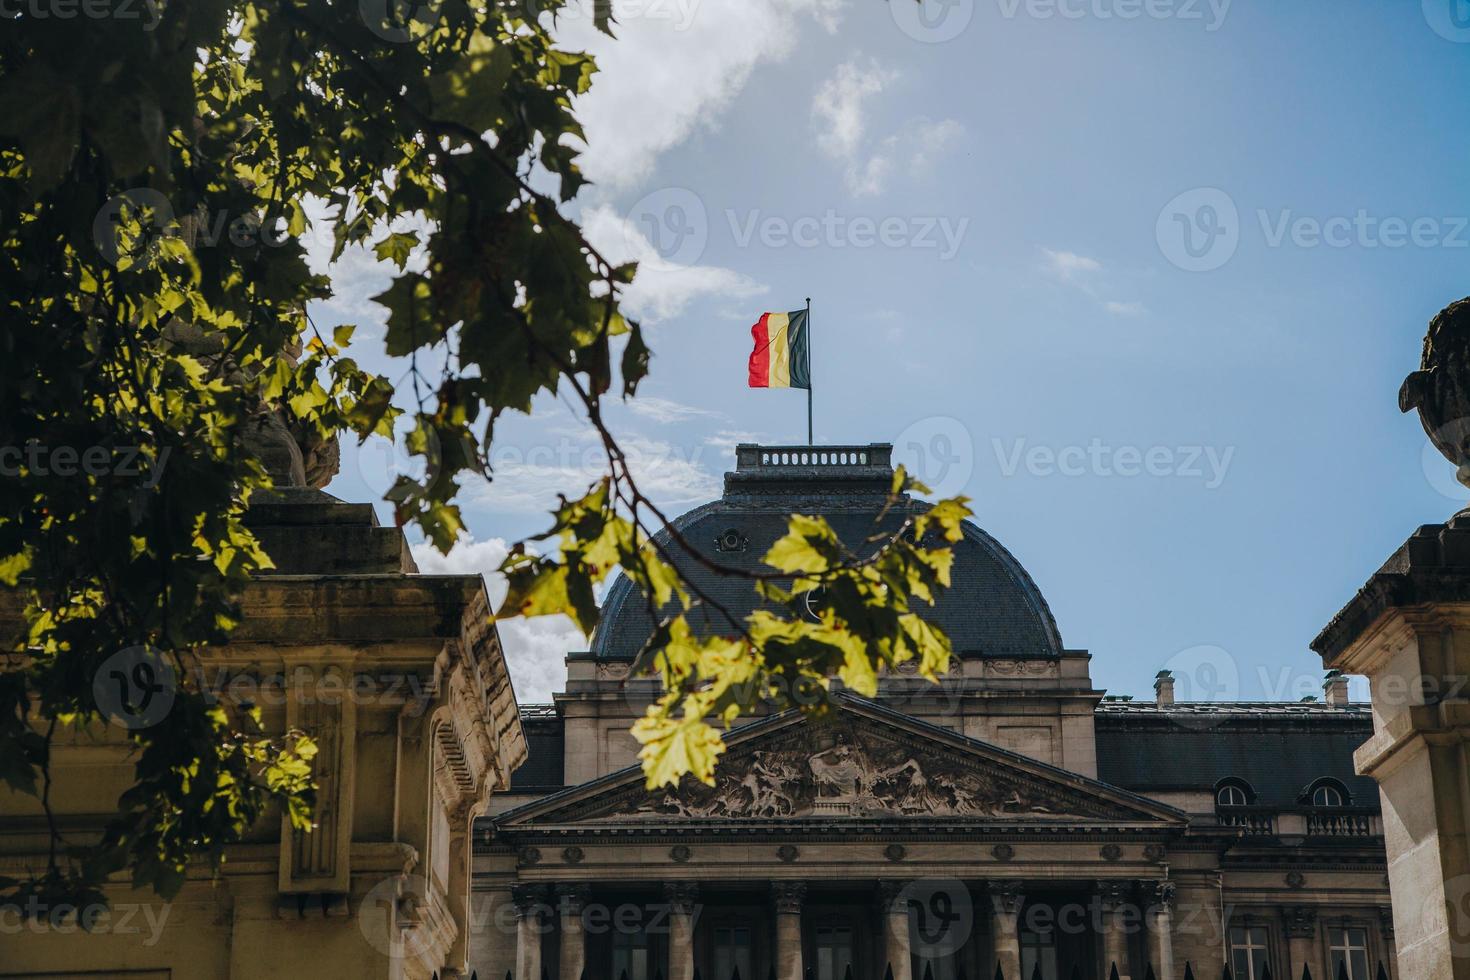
x=1011 y=821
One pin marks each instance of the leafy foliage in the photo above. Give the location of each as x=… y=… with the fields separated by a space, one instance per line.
x=154 y=181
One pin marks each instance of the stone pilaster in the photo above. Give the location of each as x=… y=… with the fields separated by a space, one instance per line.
x=1408 y=632
x=1006 y=900
x=682 y=897
x=1299 y=922
x=787 y=897
x=571 y=901
x=897 y=943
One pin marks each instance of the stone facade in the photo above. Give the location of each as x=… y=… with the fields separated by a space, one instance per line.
x=401 y=680
x=1011 y=818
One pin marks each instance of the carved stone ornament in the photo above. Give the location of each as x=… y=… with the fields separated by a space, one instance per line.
x=731 y=541
x=1016 y=668
x=1006 y=897
x=1114 y=894
x=572 y=897
x=612 y=671
x=572 y=855
x=787 y=853
x=895 y=852
x=1003 y=852
x=681 y=853
x=1110 y=852
x=788 y=895
x=682 y=896
x=1154 y=852
x=1295 y=879
x=529 y=900
x=1161 y=895
x=528 y=856
x=843 y=770
x=1300 y=921
x=1440 y=389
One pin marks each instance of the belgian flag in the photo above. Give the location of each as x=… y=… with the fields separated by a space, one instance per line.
x=782 y=356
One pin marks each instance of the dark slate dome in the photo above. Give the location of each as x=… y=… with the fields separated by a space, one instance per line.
x=991 y=609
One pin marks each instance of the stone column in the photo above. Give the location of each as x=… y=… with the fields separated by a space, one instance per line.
x=893 y=903
x=1161 y=930
x=1113 y=897
x=681 y=896
x=1301 y=940
x=571 y=901
x=1005 y=936
x=529 y=902
x=1408 y=631
x=788 y=896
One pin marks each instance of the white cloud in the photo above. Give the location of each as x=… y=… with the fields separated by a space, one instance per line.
x=1086 y=275
x=536 y=647
x=914 y=147
x=665 y=411
x=1066 y=265
x=675 y=66
x=527 y=476
x=839 y=111
x=662 y=288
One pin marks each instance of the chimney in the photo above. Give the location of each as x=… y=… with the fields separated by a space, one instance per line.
x=1164 y=687
x=1335 y=688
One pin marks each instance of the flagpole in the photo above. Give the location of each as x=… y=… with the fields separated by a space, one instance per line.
x=809 y=441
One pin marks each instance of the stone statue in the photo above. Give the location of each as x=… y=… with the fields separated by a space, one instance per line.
x=1440 y=389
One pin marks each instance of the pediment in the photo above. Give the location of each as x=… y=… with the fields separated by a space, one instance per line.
x=867 y=762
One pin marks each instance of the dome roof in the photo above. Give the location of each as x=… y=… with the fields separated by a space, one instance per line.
x=991 y=609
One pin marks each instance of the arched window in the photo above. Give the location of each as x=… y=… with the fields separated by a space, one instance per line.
x=1328 y=792
x=1233 y=792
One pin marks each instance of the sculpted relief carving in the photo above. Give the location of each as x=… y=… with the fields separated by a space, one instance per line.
x=849 y=772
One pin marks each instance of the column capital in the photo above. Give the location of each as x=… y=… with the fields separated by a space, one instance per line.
x=1300 y=920
x=682 y=896
x=572 y=896
x=528 y=899
x=1006 y=897
x=1113 y=893
x=892 y=895
x=1385 y=921
x=1160 y=895
x=788 y=895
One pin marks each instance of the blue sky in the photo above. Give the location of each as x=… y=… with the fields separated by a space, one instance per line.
x=1192 y=443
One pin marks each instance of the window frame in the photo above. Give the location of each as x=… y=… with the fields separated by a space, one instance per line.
x=1232 y=784
x=1249 y=926
x=1346 y=926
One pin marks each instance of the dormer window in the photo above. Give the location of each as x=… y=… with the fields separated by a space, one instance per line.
x=1233 y=792
x=1328 y=793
